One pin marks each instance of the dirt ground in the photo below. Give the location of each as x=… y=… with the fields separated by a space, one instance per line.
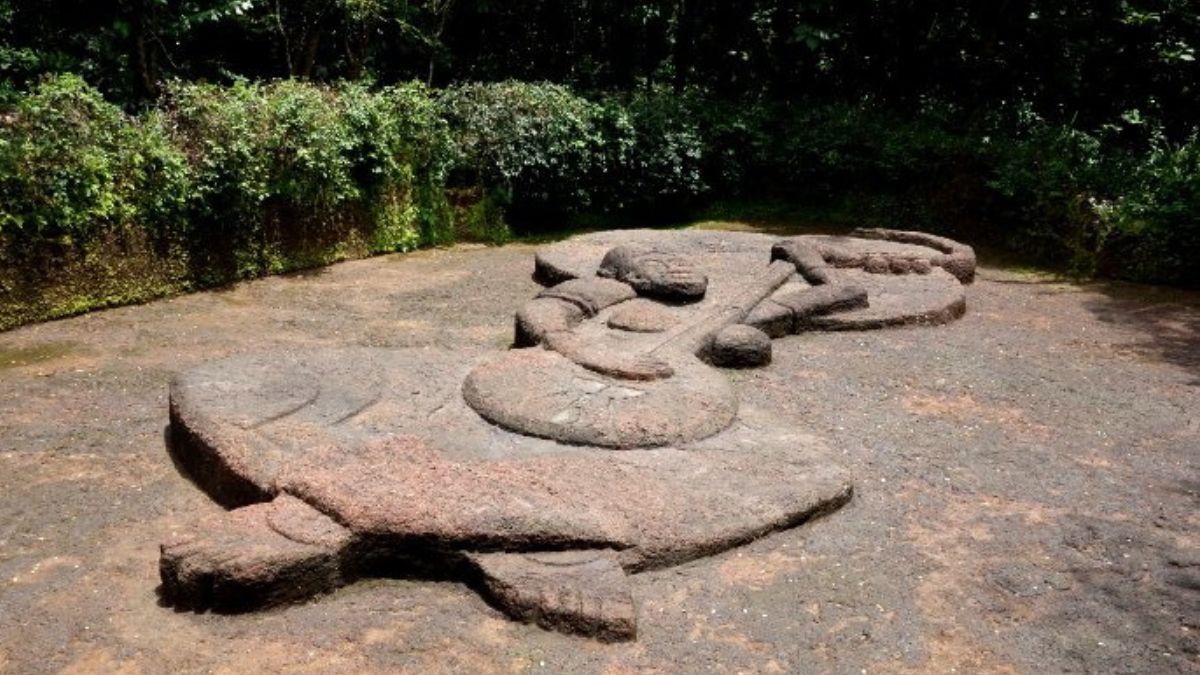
x=1027 y=492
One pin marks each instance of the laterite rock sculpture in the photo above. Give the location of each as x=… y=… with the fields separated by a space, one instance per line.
x=606 y=443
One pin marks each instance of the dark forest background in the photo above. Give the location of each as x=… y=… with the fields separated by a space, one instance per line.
x=1089 y=64
x=217 y=139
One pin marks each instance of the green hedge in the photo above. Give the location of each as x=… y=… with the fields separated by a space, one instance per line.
x=289 y=175
x=218 y=183
x=545 y=152
x=92 y=204
x=1152 y=230
x=98 y=207
x=73 y=165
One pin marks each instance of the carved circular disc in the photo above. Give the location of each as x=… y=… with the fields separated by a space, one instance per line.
x=541 y=393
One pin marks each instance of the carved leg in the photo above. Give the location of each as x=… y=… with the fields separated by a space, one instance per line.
x=608 y=361
x=792 y=312
x=582 y=592
x=256 y=556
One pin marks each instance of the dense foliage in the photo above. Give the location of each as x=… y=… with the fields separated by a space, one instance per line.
x=72 y=164
x=288 y=174
x=218 y=183
x=1084 y=62
x=220 y=139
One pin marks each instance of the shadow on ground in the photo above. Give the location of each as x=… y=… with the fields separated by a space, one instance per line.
x=1167 y=319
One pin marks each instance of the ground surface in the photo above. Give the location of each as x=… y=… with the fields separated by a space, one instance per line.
x=1027 y=492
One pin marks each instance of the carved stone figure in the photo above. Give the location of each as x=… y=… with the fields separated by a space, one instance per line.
x=604 y=444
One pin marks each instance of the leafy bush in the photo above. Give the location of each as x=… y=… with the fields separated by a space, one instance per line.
x=824 y=149
x=546 y=151
x=738 y=139
x=537 y=145
x=259 y=152
x=91 y=202
x=657 y=150
x=1048 y=182
x=98 y=207
x=401 y=155
x=289 y=174
x=73 y=166
x=1155 y=226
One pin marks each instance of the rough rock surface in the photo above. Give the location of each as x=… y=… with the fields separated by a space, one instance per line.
x=582 y=591
x=908 y=287
x=542 y=317
x=654 y=273
x=893 y=300
x=609 y=360
x=346 y=462
x=793 y=310
x=772 y=318
x=642 y=316
x=590 y=295
x=1024 y=490
x=257 y=556
x=370 y=456
x=542 y=393
x=956 y=258
x=580 y=257
x=809 y=262
x=740 y=346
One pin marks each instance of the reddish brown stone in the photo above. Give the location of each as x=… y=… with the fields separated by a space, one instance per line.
x=642 y=316
x=956 y=258
x=545 y=394
x=807 y=259
x=583 y=592
x=821 y=300
x=772 y=318
x=378 y=493
x=654 y=273
x=895 y=300
x=242 y=560
x=876 y=264
x=591 y=295
x=740 y=346
x=603 y=359
x=544 y=316
x=729 y=259
x=502 y=469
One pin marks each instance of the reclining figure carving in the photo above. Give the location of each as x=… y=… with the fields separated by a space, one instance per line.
x=603 y=445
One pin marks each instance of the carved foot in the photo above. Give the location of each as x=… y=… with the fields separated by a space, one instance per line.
x=252 y=557
x=582 y=592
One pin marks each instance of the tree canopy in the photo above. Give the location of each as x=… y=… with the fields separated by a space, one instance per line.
x=1090 y=63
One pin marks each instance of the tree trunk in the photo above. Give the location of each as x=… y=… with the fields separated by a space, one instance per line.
x=312 y=43
x=683 y=44
x=145 y=55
